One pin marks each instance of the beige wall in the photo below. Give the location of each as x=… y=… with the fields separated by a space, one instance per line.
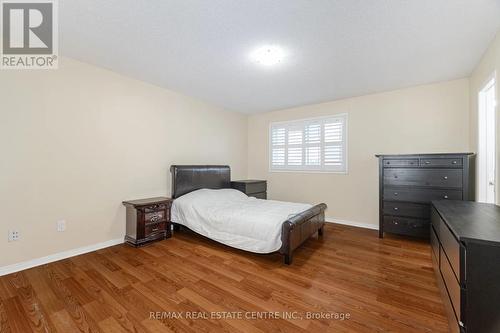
x=490 y=63
x=424 y=119
x=77 y=141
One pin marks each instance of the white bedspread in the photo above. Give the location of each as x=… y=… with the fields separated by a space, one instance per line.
x=231 y=217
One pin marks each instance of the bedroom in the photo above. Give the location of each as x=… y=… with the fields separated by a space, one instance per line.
x=288 y=102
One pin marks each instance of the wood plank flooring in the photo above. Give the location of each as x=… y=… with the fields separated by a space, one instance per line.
x=383 y=285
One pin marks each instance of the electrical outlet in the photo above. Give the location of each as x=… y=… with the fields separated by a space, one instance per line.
x=14 y=235
x=61 y=226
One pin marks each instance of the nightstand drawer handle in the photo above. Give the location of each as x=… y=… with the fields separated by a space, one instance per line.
x=445 y=196
x=155 y=229
x=155 y=218
x=396 y=208
x=445 y=177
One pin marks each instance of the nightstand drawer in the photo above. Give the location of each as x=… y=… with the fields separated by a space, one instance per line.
x=154 y=208
x=250 y=186
x=155 y=216
x=152 y=228
x=261 y=195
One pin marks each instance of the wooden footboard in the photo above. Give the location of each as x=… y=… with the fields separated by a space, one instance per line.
x=297 y=229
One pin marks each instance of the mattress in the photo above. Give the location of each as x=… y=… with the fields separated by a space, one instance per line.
x=232 y=218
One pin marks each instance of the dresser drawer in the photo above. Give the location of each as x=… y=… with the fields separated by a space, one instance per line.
x=441 y=162
x=153 y=228
x=406 y=209
x=435 y=220
x=406 y=226
x=434 y=243
x=394 y=163
x=420 y=195
x=451 y=248
x=423 y=177
x=452 y=285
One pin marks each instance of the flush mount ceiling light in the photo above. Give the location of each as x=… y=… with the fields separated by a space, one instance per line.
x=268 y=55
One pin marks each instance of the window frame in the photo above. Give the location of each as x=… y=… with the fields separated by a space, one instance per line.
x=304 y=168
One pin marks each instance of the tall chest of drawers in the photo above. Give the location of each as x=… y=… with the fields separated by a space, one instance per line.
x=408 y=184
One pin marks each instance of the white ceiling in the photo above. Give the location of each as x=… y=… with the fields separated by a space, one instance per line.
x=336 y=48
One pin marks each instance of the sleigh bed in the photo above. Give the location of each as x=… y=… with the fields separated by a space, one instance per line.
x=205 y=203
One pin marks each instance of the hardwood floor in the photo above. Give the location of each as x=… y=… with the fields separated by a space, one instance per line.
x=384 y=285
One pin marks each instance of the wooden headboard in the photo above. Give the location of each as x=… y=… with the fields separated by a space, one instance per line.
x=189 y=178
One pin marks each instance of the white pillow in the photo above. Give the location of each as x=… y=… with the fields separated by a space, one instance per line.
x=208 y=195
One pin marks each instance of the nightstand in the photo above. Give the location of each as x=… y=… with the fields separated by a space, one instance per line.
x=148 y=220
x=251 y=187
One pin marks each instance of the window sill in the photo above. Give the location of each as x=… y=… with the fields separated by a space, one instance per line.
x=309 y=171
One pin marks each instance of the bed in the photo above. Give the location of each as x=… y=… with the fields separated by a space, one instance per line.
x=205 y=203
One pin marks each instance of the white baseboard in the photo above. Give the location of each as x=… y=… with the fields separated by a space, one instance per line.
x=57 y=256
x=351 y=223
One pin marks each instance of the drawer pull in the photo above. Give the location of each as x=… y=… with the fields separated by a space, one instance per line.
x=396 y=194
x=454 y=162
x=155 y=229
x=445 y=196
x=396 y=208
x=445 y=177
x=427 y=162
x=395 y=222
x=155 y=218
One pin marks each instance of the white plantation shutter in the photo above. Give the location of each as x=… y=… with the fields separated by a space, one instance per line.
x=278 y=139
x=294 y=148
x=333 y=143
x=313 y=144
x=318 y=144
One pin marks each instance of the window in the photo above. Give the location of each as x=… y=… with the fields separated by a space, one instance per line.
x=317 y=144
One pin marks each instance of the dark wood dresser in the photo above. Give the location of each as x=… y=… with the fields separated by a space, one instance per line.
x=148 y=220
x=465 y=238
x=408 y=183
x=251 y=187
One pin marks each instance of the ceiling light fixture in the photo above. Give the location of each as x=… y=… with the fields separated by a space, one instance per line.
x=268 y=55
